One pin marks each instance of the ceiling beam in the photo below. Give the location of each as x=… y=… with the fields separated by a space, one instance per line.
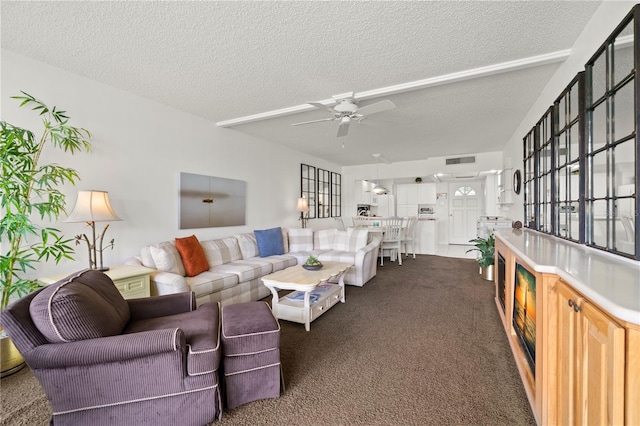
x=503 y=67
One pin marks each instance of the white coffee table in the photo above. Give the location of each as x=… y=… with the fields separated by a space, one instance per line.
x=299 y=279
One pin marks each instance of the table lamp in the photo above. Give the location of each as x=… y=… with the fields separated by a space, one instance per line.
x=303 y=207
x=92 y=207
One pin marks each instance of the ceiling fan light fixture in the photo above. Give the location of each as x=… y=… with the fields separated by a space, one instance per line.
x=379 y=190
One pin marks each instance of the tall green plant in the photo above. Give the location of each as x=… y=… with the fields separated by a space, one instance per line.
x=28 y=187
x=486 y=247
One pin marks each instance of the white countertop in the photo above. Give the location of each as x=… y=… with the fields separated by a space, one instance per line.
x=611 y=281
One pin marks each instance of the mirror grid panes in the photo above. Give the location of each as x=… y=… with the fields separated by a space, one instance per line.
x=544 y=156
x=580 y=160
x=529 y=180
x=336 y=194
x=567 y=167
x=308 y=187
x=611 y=148
x=324 y=199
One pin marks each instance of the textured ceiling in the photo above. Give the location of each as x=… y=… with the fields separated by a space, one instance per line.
x=223 y=60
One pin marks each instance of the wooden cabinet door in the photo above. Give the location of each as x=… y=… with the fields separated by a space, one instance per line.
x=567 y=356
x=602 y=360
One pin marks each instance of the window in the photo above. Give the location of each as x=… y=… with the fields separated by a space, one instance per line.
x=464 y=191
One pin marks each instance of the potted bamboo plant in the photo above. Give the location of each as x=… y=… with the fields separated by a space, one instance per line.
x=486 y=247
x=27 y=189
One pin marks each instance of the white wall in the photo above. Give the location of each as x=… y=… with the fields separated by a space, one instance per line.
x=603 y=22
x=140 y=147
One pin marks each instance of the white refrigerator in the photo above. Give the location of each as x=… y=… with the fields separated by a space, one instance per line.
x=386 y=205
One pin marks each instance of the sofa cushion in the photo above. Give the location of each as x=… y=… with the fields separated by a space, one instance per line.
x=221 y=251
x=246 y=269
x=166 y=258
x=86 y=305
x=279 y=262
x=337 y=256
x=202 y=333
x=324 y=239
x=269 y=241
x=192 y=255
x=300 y=239
x=209 y=282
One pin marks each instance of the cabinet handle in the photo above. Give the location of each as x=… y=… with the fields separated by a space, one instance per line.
x=571 y=303
x=576 y=308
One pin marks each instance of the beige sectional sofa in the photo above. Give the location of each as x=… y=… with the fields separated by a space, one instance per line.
x=236 y=267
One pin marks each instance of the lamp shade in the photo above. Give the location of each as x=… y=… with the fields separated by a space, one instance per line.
x=92 y=206
x=302 y=205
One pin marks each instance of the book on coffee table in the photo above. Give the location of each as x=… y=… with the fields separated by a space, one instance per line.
x=298 y=296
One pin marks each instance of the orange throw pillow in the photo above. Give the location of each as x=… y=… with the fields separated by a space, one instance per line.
x=192 y=254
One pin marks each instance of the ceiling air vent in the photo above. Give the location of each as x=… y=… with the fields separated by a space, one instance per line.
x=460 y=160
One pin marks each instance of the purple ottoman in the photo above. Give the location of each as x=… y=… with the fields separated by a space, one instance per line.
x=251 y=353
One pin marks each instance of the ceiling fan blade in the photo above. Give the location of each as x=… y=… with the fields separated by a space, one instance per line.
x=313 y=121
x=343 y=129
x=377 y=107
x=321 y=106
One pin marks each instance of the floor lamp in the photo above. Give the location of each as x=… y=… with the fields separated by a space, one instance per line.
x=303 y=207
x=92 y=207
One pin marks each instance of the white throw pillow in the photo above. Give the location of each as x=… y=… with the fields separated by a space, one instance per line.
x=300 y=239
x=324 y=239
x=166 y=257
x=340 y=241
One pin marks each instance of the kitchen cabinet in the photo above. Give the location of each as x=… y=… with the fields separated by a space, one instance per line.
x=416 y=193
x=590 y=362
x=427 y=193
x=363 y=194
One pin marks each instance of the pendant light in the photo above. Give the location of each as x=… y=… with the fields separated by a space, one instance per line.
x=377 y=189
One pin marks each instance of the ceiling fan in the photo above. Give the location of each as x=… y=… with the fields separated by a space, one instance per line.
x=346 y=110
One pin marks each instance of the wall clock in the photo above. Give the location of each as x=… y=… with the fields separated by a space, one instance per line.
x=517 y=181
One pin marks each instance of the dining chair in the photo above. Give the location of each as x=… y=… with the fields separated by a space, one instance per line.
x=392 y=240
x=360 y=221
x=410 y=236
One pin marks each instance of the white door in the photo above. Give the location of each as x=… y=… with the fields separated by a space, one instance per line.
x=464 y=209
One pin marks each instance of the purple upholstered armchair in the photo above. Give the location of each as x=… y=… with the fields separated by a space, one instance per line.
x=105 y=360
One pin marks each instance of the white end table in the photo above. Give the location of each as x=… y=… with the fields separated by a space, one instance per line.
x=299 y=279
x=130 y=280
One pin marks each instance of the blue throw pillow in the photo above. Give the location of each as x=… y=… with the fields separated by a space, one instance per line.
x=269 y=241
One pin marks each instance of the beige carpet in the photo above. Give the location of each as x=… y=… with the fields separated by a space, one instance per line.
x=420 y=344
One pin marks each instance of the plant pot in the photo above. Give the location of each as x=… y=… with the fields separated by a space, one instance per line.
x=487 y=273
x=10 y=359
x=312 y=267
